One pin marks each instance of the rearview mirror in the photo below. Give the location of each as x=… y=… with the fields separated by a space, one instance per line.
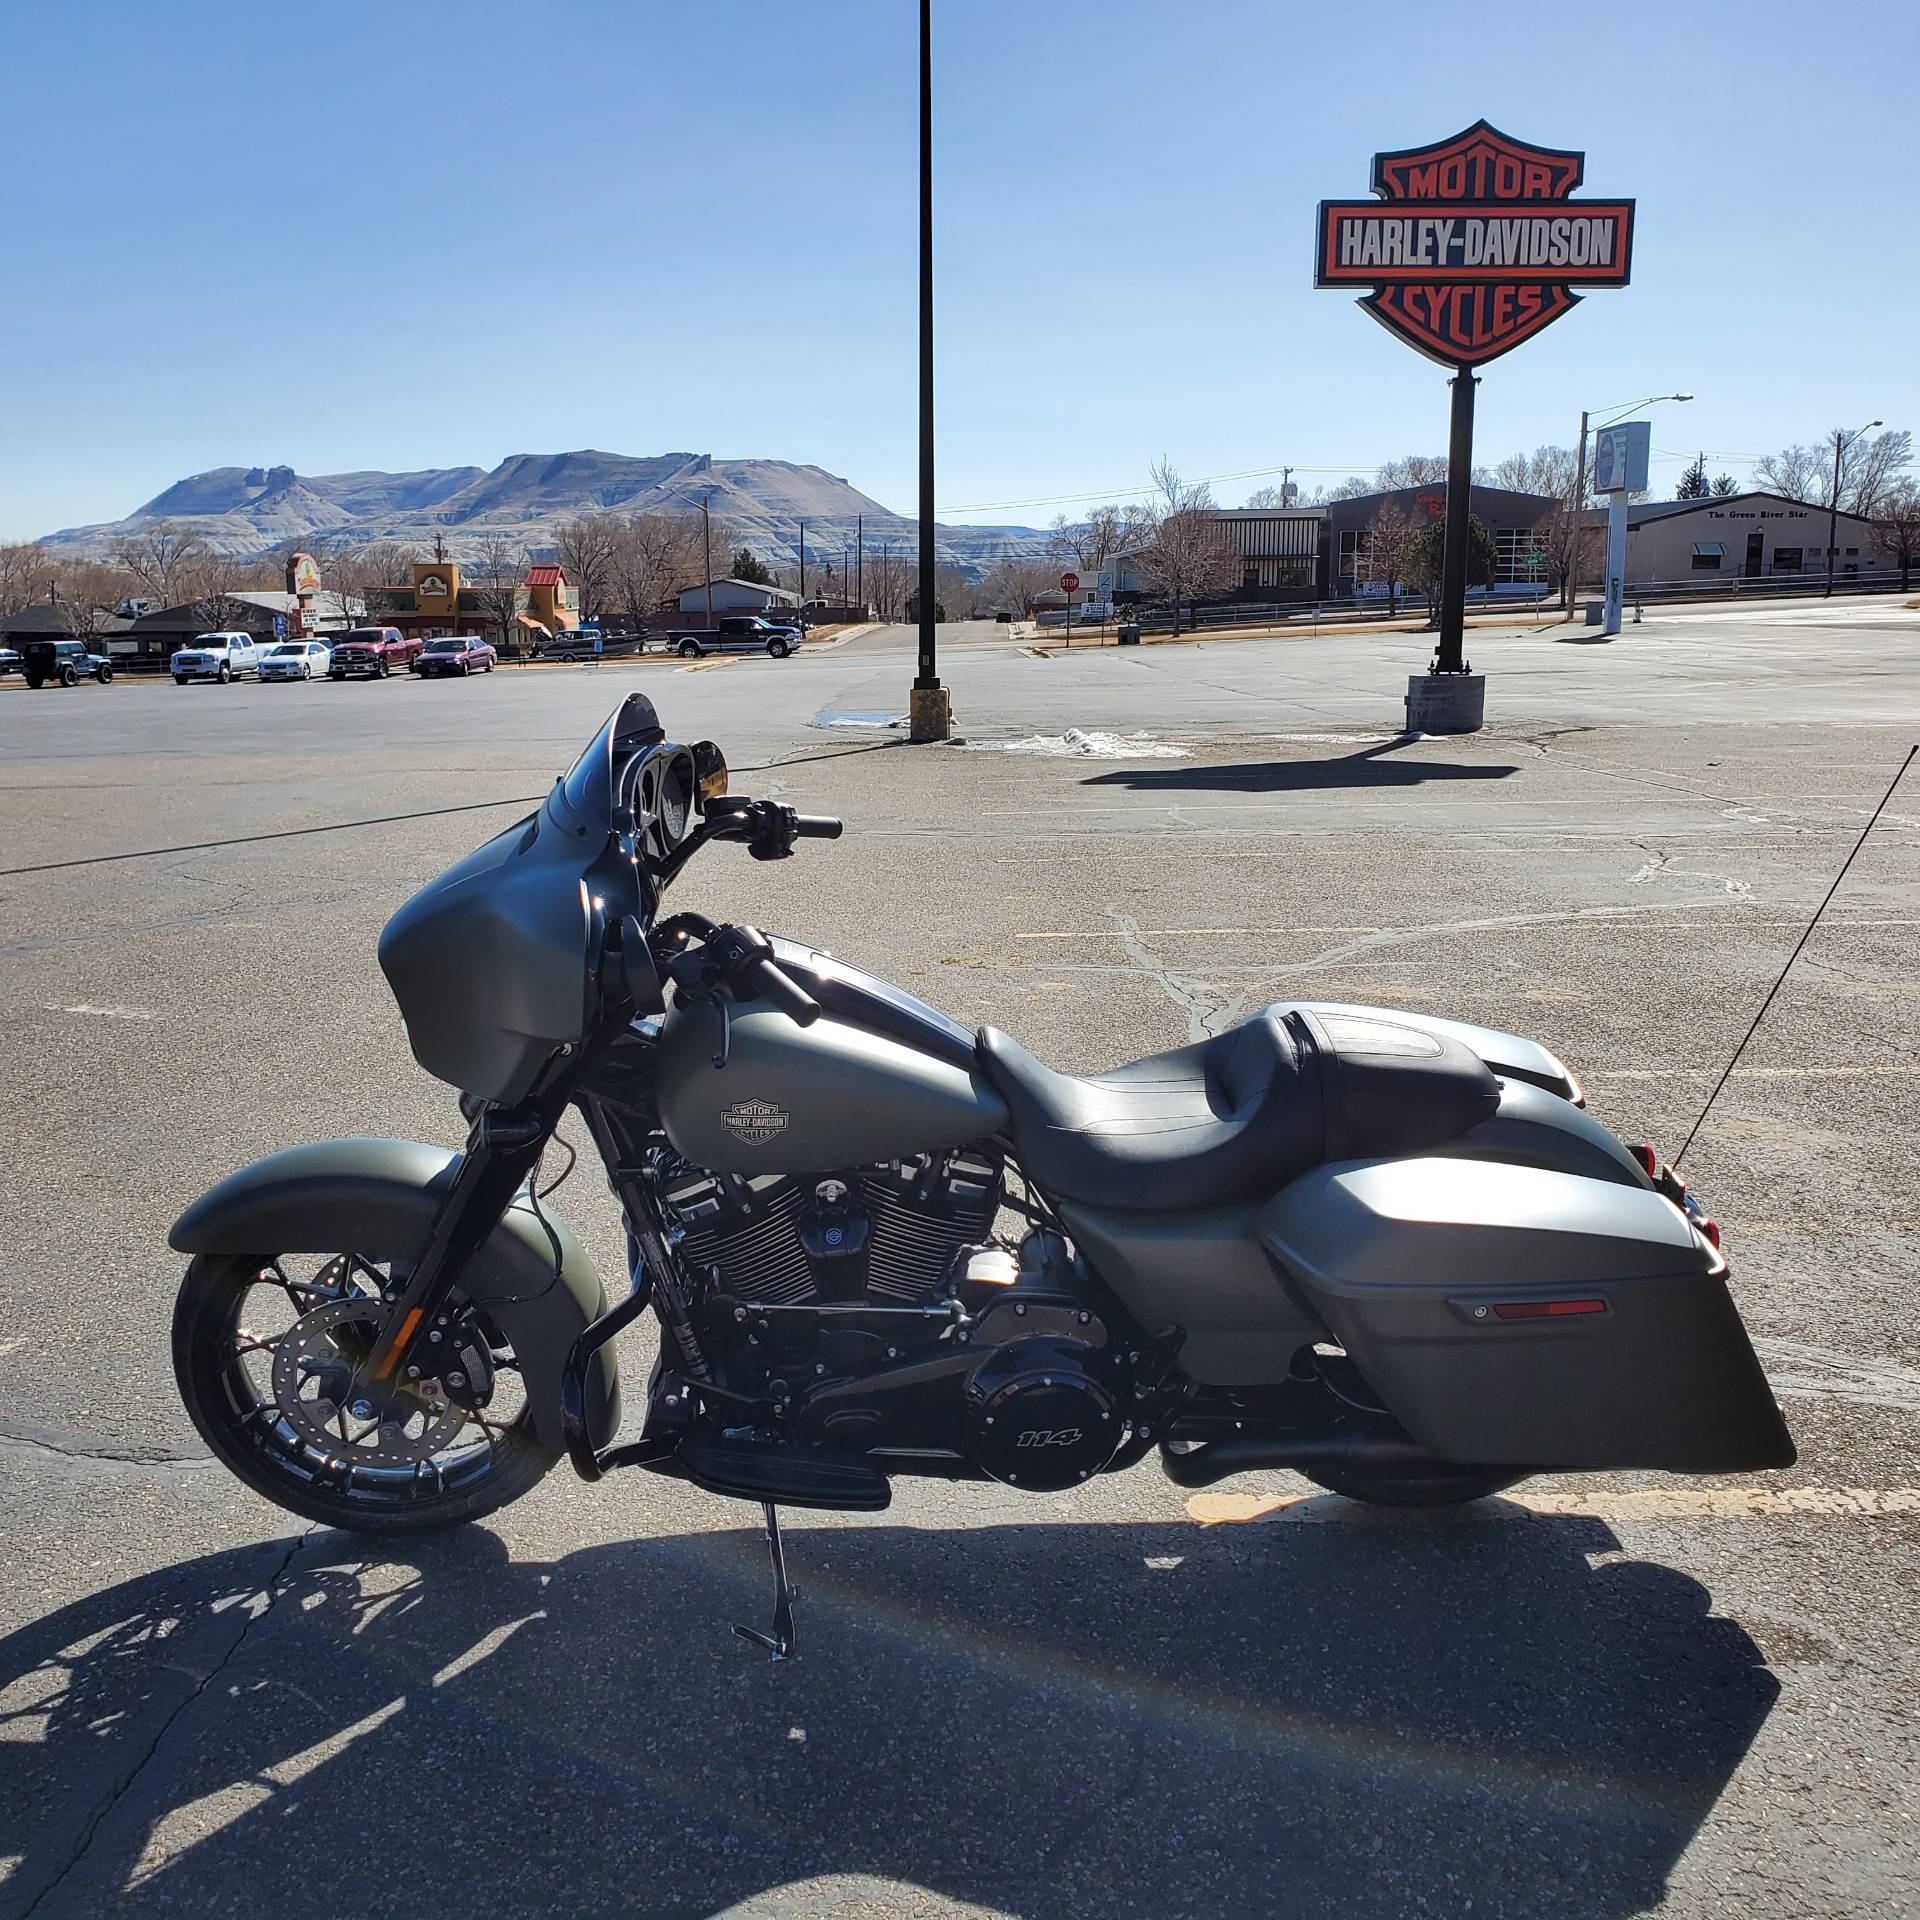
x=709 y=769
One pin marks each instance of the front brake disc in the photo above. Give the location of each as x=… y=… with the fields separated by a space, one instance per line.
x=314 y=1386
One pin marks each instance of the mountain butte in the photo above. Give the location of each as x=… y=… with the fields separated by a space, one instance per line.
x=528 y=496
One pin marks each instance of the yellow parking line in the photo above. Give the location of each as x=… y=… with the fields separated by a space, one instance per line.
x=1215 y=1508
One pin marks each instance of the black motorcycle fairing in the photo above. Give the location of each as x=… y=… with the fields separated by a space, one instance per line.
x=532 y=1275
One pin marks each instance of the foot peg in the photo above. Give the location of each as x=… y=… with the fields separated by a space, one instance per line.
x=779 y=1642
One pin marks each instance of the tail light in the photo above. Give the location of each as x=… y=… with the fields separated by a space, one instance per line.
x=1649 y=1160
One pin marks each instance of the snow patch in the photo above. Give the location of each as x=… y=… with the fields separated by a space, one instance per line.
x=1079 y=743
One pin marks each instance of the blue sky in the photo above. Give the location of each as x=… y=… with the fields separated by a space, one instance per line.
x=410 y=235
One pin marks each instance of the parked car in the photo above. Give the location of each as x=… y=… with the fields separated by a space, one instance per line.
x=737 y=633
x=9 y=661
x=576 y=645
x=296 y=660
x=66 y=661
x=463 y=654
x=374 y=651
x=217 y=656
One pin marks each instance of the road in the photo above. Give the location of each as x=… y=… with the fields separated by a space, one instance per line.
x=1605 y=1696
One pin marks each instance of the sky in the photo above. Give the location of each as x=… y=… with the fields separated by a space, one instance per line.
x=408 y=235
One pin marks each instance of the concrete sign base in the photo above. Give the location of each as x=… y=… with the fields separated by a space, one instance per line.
x=929 y=715
x=1446 y=702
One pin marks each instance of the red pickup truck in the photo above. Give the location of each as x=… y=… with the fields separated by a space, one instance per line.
x=374 y=651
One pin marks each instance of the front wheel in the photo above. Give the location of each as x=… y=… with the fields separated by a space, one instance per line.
x=1437 y=1486
x=223 y=676
x=778 y=648
x=104 y=675
x=267 y=1351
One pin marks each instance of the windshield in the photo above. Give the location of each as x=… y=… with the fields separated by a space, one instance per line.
x=446 y=646
x=279 y=651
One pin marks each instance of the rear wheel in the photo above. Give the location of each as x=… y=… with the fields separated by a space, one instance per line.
x=68 y=677
x=266 y=1352
x=1439 y=1486
x=37 y=681
x=689 y=649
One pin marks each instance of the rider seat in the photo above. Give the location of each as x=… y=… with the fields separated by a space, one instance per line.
x=1237 y=1116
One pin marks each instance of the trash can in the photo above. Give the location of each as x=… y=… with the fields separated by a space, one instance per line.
x=1127 y=634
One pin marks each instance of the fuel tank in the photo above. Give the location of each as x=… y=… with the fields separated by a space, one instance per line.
x=791 y=1099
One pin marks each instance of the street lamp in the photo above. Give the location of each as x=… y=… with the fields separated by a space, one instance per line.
x=1841 y=441
x=1578 y=502
x=929 y=713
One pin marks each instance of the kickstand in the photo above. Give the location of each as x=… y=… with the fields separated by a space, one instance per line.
x=779 y=1642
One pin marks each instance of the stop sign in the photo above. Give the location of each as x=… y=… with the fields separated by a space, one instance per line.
x=1069 y=583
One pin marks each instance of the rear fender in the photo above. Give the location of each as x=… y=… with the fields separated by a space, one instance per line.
x=379 y=1198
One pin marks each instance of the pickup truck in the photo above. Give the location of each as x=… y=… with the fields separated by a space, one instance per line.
x=737 y=633
x=374 y=651
x=216 y=656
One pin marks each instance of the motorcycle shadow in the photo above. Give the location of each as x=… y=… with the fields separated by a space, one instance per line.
x=1050 y=1720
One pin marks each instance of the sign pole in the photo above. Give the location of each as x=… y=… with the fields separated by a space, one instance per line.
x=1616 y=561
x=1450 y=655
x=930 y=714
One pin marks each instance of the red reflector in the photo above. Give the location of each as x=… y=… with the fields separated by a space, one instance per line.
x=1649 y=1160
x=1544 y=1309
x=1710 y=1227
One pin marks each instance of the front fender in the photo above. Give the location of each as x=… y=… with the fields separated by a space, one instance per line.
x=379 y=1198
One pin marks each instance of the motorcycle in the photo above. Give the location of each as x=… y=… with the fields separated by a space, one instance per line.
x=1392 y=1252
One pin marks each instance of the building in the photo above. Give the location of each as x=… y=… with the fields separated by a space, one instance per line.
x=440 y=603
x=1520 y=525
x=1277 y=548
x=151 y=639
x=1736 y=536
x=736 y=596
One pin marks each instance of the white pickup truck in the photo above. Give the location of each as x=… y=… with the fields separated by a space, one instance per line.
x=217 y=656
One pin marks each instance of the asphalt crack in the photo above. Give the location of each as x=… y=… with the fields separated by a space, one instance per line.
x=125 y=1783
x=44 y=1440
x=1209 y=1010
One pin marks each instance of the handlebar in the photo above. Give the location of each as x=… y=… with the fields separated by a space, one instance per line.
x=740 y=959
x=818 y=826
x=773 y=983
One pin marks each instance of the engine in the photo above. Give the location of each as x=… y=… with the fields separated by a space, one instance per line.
x=872 y=1309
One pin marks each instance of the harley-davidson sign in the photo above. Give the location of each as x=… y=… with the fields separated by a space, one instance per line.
x=1473 y=245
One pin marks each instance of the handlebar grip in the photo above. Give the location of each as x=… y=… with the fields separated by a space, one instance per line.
x=773 y=983
x=818 y=826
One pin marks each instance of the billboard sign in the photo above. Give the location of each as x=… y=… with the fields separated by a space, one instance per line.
x=303 y=574
x=1473 y=245
x=1620 y=457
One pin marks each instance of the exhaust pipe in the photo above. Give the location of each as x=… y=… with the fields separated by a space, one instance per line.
x=1214 y=1460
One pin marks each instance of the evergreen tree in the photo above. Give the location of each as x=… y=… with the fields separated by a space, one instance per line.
x=1724 y=484
x=1693 y=483
x=746 y=567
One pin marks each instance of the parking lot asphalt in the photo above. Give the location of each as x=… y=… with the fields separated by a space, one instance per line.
x=1606 y=1695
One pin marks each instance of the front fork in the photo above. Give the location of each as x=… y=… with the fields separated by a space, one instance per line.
x=503 y=1147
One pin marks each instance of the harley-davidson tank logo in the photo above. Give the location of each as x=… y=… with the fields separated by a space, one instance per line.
x=754 y=1121
x=1474 y=244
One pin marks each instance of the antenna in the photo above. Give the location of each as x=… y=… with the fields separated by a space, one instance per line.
x=1727 y=1072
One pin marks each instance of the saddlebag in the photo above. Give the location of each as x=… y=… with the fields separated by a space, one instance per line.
x=1520 y=1316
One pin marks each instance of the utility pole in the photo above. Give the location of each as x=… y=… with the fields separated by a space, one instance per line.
x=1574 y=528
x=1841 y=441
x=803 y=563
x=1286 y=486
x=930 y=714
x=706 y=549
x=860 y=559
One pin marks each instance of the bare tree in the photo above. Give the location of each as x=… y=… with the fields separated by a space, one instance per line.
x=1190 y=553
x=585 y=548
x=1868 y=467
x=1390 y=537
x=87 y=594
x=213 y=584
x=1546 y=470
x=165 y=559
x=889 y=574
x=1353 y=487
x=1087 y=545
x=1281 y=496
x=1897 y=521
x=1411 y=470
x=23 y=575
x=498 y=570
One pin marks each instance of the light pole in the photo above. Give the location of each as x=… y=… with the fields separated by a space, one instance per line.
x=929 y=711
x=1841 y=441
x=1577 y=505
